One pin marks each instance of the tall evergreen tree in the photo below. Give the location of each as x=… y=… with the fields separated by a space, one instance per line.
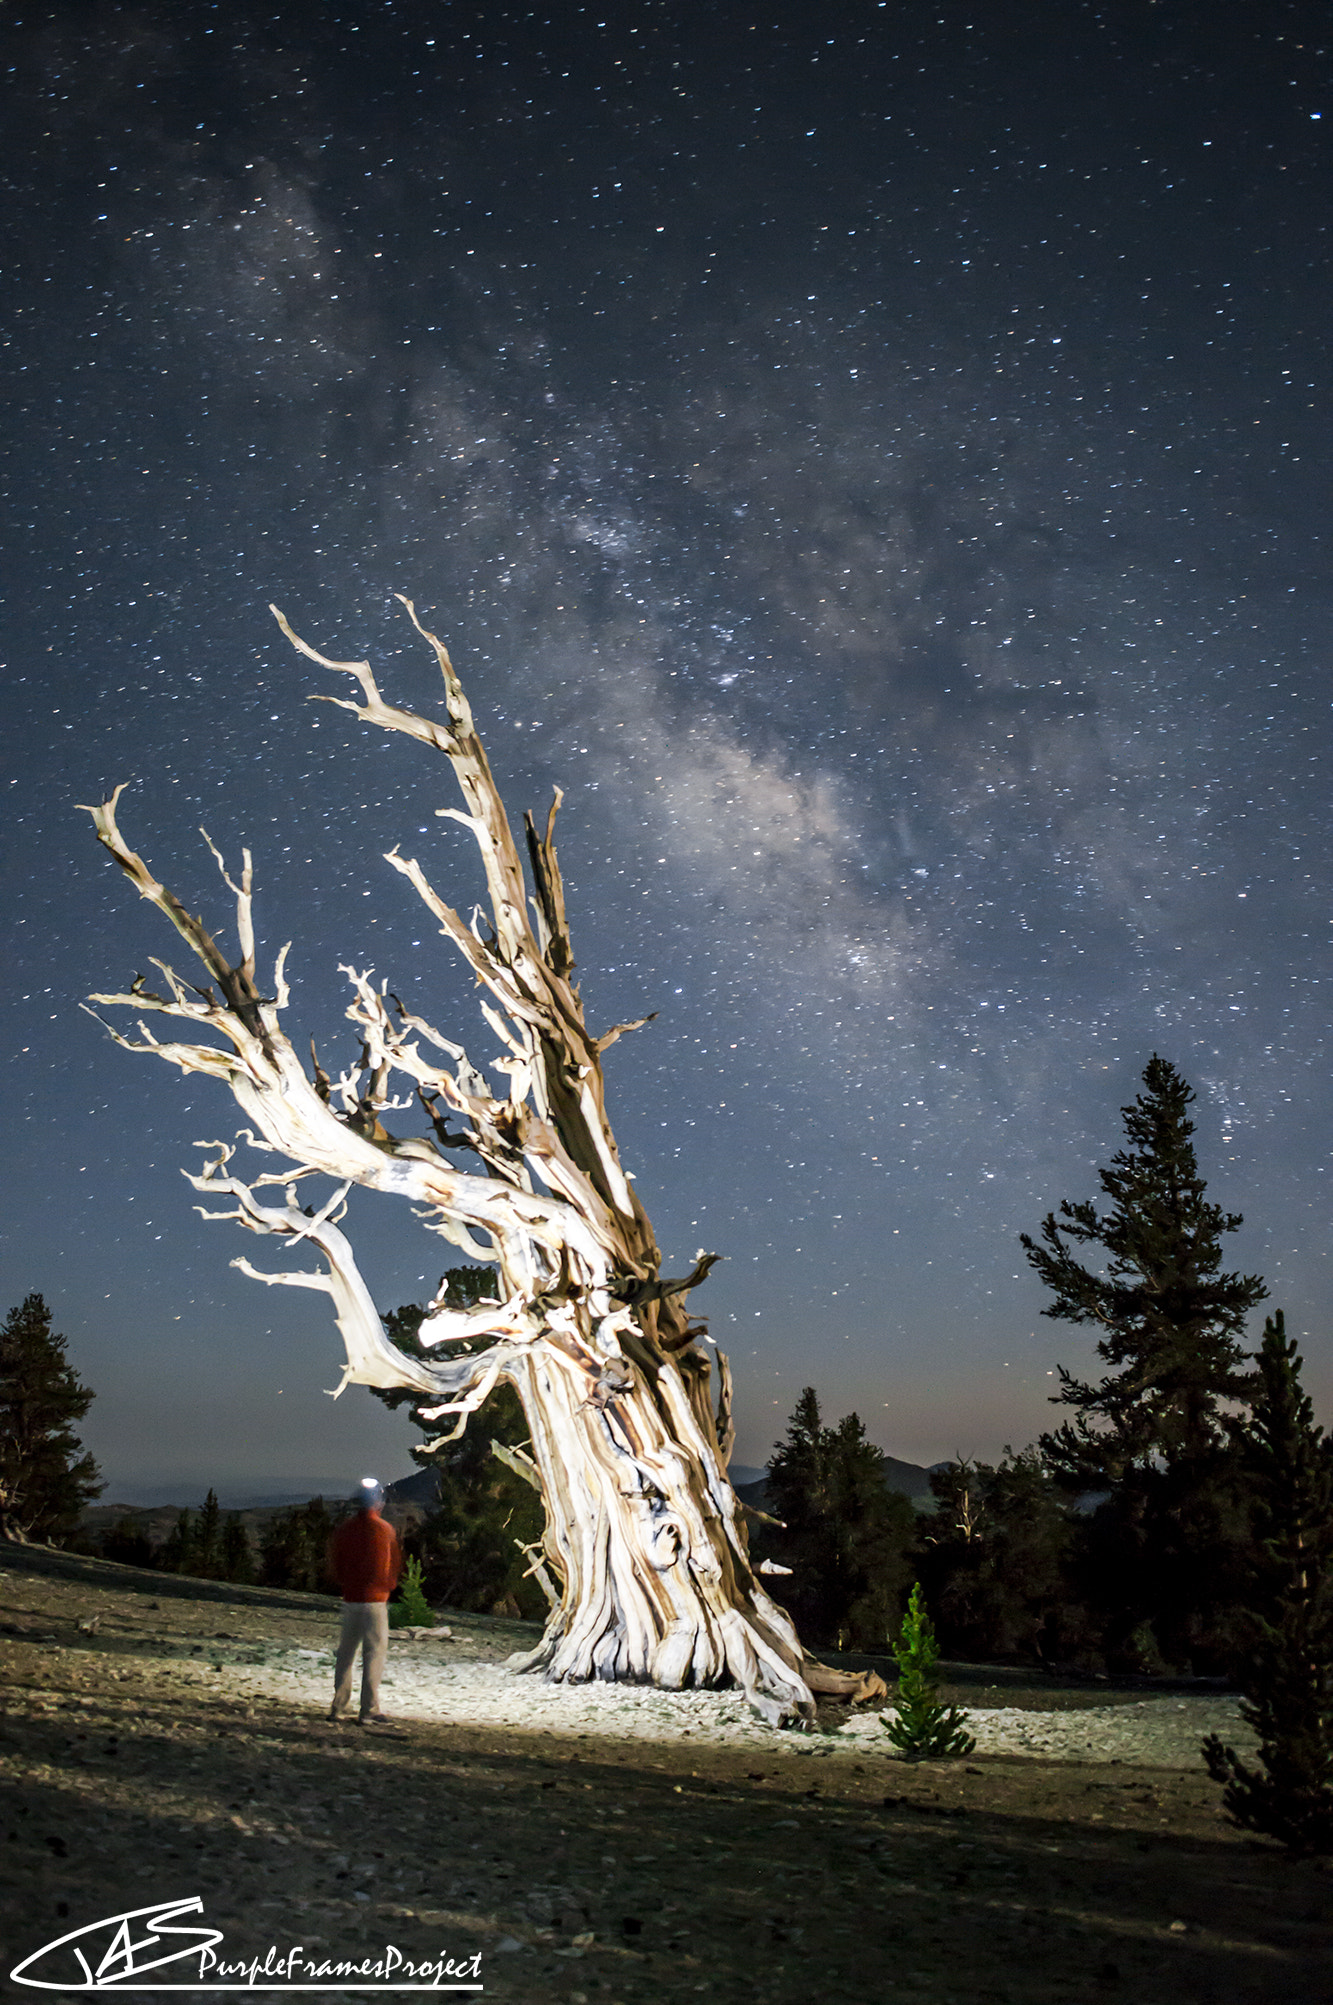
x=176 y=1554
x=208 y=1540
x=1160 y=1554
x=45 y=1478
x=1172 y=1320
x=237 y=1558
x=1288 y=1678
x=845 y=1535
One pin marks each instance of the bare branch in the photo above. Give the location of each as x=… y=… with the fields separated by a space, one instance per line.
x=442 y=1325
x=244 y=904
x=521 y=1464
x=236 y=984
x=537 y=1571
x=375 y=710
x=609 y=1037
x=552 y=925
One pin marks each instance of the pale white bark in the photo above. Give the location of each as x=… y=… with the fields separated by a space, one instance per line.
x=629 y=1439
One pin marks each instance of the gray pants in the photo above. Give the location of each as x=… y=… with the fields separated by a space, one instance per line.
x=365 y=1627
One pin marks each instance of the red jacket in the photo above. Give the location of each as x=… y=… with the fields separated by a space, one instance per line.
x=365 y=1558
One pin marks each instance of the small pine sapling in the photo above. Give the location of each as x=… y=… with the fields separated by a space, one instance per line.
x=411 y=1610
x=1288 y=1681
x=922 y=1728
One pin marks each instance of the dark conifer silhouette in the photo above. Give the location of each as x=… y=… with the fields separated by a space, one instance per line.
x=208 y=1540
x=237 y=1557
x=1288 y=1679
x=845 y=1535
x=293 y=1550
x=997 y=1561
x=1172 y=1320
x=176 y=1554
x=128 y=1544
x=45 y=1477
x=1160 y=1556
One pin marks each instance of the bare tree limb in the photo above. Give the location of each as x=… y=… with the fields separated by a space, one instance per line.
x=521 y=1464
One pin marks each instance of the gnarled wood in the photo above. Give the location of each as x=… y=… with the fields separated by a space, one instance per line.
x=628 y=1442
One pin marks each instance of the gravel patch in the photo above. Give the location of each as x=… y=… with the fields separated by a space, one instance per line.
x=1161 y=1731
x=87 y=1620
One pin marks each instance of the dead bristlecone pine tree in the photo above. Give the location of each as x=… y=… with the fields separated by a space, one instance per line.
x=645 y=1539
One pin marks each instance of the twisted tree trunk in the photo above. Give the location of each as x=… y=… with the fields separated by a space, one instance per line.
x=629 y=1441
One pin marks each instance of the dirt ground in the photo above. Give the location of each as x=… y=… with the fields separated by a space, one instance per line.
x=156 y=1752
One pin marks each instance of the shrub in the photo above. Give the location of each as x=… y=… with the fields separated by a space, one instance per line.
x=922 y=1728
x=411 y=1610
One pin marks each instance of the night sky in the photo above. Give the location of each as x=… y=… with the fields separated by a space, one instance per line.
x=874 y=458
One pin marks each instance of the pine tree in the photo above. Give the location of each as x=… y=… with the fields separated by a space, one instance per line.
x=178 y=1547
x=45 y=1479
x=1288 y=1680
x=411 y=1609
x=208 y=1540
x=844 y=1534
x=1172 y=1319
x=922 y=1727
x=237 y=1558
x=1159 y=1557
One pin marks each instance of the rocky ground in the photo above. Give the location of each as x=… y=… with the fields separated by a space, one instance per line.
x=607 y=1846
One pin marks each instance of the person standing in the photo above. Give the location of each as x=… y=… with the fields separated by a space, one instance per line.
x=365 y=1559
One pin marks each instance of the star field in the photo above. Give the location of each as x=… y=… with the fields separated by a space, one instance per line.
x=872 y=458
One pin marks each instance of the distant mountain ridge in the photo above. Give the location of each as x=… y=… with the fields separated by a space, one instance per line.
x=407 y=1501
x=422 y=1488
x=908 y=1477
x=189 y=1496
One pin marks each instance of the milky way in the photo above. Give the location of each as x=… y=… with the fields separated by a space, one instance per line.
x=875 y=463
